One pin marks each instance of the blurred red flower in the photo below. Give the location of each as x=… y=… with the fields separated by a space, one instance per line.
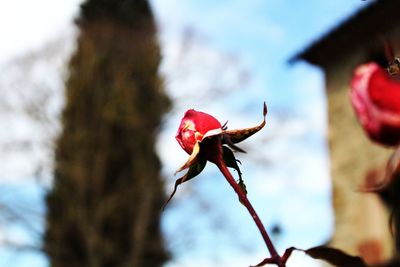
x=375 y=96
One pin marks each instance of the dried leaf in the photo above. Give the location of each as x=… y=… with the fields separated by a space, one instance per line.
x=193 y=171
x=335 y=257
x=236 y=136
x=393 y=67
x=230 y=160
x=226 y=139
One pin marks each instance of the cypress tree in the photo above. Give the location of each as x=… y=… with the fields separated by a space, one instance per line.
x=104 y=206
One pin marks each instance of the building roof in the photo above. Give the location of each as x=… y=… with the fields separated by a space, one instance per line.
x=361 y=29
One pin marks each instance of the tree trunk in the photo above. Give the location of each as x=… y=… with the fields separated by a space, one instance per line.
x=104 y=207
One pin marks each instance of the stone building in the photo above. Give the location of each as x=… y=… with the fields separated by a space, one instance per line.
x=361 y=220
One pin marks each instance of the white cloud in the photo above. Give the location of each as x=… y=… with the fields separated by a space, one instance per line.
x=27 y=25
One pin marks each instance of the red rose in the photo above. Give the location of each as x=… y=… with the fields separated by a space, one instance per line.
x=204 y=138
x=194 y=126
x=375 y=96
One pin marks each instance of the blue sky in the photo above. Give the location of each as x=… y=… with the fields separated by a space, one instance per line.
x=226 y=58
x=286 y=168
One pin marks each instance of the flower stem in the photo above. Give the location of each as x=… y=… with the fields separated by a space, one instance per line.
x=243 y=198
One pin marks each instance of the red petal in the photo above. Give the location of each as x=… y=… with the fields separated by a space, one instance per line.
x=384 y=91
x=203 y=122
x=194 y=125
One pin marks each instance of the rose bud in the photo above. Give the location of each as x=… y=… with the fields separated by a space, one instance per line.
x=193 y=127
x=204 y=138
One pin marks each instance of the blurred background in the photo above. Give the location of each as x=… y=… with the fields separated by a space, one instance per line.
x=92 y=93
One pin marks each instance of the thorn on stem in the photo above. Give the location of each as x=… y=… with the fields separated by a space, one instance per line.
x=265 y=109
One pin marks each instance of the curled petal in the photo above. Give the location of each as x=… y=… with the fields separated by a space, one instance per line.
x=213 y=132
x=193 y=171
x=192 y=159
x=236 y=136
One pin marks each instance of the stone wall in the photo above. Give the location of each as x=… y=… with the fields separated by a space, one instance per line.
x=361 y=220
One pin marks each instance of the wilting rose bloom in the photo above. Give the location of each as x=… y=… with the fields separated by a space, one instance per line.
x=375 y=96
x=193 y=127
